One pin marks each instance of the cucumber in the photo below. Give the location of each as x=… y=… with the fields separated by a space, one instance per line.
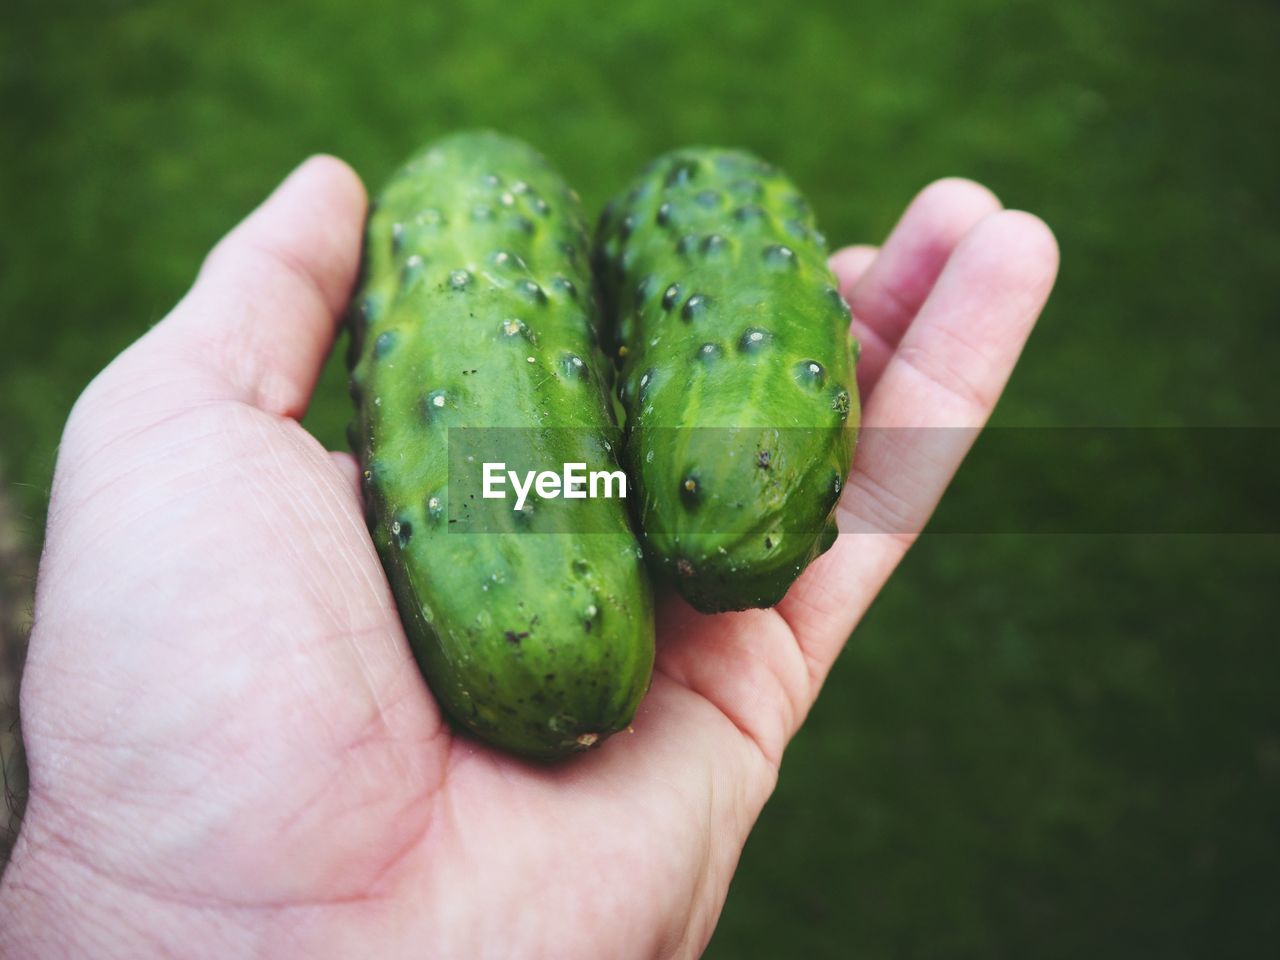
x=474 y=328
x=736 y=373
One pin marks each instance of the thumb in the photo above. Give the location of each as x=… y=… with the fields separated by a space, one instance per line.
x=261 y=317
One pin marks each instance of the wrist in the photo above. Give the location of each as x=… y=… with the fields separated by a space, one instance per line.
x=31 y=891
x=49 y=905
x=55 y=904
x=58 y=902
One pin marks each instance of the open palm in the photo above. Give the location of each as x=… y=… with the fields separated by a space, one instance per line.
x=232 y=752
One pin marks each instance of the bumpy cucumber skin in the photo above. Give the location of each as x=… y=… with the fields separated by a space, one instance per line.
x=725 y=316
x=475 y=309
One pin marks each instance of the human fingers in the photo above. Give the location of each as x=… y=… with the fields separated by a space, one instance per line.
x=261 y=317
x=936 y=391
x=885 y=298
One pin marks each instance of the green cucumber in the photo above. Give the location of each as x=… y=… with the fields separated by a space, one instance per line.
x=737 y=373
x=476 y=310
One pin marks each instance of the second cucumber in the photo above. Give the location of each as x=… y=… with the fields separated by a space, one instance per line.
x=737 y=373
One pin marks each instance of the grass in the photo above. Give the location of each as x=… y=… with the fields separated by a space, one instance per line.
x=1036 y=745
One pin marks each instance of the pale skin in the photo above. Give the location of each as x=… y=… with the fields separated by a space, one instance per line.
x=232 y=753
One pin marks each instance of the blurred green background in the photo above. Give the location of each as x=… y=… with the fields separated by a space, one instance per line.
x=1035 y=746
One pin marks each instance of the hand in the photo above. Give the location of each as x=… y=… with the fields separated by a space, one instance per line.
x=231 y=750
